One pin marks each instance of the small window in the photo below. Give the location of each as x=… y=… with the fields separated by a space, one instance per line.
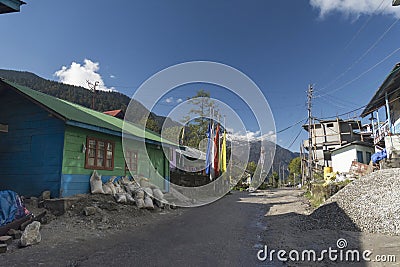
x=368 y=157
x=329 y=125
x=360 y=157
x=99 y=154
x=131 y=160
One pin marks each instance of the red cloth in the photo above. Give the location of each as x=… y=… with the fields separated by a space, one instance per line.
x=216 y=154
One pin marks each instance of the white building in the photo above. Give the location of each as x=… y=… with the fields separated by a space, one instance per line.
x=343 y=157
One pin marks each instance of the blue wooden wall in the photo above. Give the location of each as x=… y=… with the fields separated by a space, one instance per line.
x=31 y=152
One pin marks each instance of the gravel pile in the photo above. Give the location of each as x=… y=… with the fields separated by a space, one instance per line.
x=369 y=204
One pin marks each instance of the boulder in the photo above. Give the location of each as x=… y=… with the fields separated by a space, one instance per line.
x=31 y=235
x=89 y=211
x=120 y=197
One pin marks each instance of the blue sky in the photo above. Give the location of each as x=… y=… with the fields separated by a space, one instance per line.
x=281 y=45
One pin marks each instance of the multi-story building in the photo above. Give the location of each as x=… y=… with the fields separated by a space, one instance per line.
x=328 y=135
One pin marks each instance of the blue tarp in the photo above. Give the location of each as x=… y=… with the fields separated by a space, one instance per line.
x=11 y=207
x=378 y=156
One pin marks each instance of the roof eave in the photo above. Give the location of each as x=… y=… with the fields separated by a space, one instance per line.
x=376 y=102
x=52 y=112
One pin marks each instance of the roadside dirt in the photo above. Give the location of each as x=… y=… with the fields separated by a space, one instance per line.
x=289 y=227
x=228 y=232
x=109 y=218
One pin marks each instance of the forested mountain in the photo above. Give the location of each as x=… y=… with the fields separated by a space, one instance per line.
x=282 y=157
x=103 y=100
x=113 y=100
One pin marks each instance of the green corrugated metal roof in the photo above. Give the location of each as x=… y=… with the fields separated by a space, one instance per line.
x=76 y=113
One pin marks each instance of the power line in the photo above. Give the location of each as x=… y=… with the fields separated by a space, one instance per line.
x=339 y=115
x=332 y=102
x=342 y=101
x=359 y=76
x=297 y=136
x=354 y=38
x=361 y=107
x=365 y=24
x=291 y=126
x=362 y=56
x=358 y=33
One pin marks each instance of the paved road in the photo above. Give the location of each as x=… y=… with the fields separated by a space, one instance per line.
x=228 y=232
x=220 y=234
x=224 y=233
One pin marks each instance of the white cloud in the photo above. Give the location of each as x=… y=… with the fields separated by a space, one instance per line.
x=171 y=100
x=252 y=136
x=78 y=74
x=355 y=7
x=112 y=76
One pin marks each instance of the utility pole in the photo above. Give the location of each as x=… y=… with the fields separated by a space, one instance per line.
x=92 y=87
x=309 y=105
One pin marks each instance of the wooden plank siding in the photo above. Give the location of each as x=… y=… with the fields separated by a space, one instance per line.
x=75 y=177
x=31 y=150
x=41 y=151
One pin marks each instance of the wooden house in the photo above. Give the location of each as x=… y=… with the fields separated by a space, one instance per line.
x=386 y=129
x=9 y=6
x=51 y=144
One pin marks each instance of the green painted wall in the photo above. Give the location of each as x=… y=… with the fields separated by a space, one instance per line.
x=74 y=158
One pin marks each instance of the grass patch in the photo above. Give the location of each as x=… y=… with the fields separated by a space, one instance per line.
x=316 y=200
x=321 y=192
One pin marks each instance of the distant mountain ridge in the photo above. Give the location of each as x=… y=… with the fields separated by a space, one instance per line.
x=282 y=155
x=104 y=100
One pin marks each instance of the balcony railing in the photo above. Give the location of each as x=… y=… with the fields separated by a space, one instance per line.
x=380 y=133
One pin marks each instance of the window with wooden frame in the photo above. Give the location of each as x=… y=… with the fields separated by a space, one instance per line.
x=99 y=154
x=131 y=161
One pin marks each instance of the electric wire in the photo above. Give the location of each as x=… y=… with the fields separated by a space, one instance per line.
x=297 y=136
x=362 y=56
x=358 y=32
x=360 y=75
x=291 y=126
x=366 y=23
x=363 y=106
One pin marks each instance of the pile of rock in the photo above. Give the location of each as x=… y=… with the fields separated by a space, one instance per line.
x=29 y=236
x=143 y=194
x=370 y=204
